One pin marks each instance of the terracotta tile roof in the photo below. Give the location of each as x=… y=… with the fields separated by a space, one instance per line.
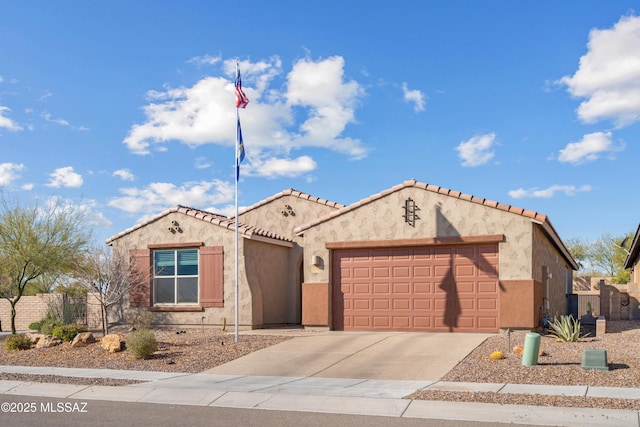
x=539 y=218
x=213 y=218
x=295 y=193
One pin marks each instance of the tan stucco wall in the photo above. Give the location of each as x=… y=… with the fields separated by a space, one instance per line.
x=440 y=216
x=269 y=216
x=559 y=278
x=267 y=274
x=196 y=230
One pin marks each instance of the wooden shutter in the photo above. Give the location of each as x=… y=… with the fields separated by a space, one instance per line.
x=141 y=277
x=212 y=276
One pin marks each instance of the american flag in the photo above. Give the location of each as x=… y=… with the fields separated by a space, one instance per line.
x=241 y=98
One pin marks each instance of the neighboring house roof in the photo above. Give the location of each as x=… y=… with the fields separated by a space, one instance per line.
x=536 y=217
x=245 y=230
x=291 y=192
x=634 y=250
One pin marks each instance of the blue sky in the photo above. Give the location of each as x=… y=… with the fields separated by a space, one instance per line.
x=126 y=108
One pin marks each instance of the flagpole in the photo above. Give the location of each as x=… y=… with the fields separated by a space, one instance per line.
x=237 y=165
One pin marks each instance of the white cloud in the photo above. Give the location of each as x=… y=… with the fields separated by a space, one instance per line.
x=202 y=163
x=284 y=167
x=549 y=192
x=6 y=122
x=316 y=94
x=159 y=196
x=609 y=74
x=589 y=149
x=65 y=177
x=9 y=172
x=49 y=118
x=414 y=96
x=62 y=122
x=124 y=174
x=204 y=60
x=477 y=151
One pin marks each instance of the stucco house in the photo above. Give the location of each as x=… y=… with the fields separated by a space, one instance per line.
x=189 y=256
x=632 y=261
x=415 y=257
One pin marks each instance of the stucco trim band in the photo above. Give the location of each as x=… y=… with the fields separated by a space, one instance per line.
x=175 y=245
x=431 y=241
x=175 y=308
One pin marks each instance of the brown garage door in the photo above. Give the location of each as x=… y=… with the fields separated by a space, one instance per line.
x=438 y=288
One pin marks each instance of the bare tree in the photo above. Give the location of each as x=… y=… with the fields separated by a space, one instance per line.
x=105 y=273
x=35 y=242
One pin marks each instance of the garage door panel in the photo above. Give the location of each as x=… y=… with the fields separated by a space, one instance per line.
x=440 y=288
x=488 y=287
x=487 y=304
x=361 y=304
x=422 y=288
x=381 y=272
x=421 y=271
x=382 y=288
x=467 y=304
x=383 y=322
x=401 y=322
x=381 y=304
x=361 y=288
x=422 y=322
x=422 y=304
x=401 y=304
x=462 y=271
x=401 y=288
x=362 y=322
x=465 y=287
x=401 y=271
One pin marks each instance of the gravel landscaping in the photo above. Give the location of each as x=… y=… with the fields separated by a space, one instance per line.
x=560 y=364
x=196 y=350
x=179 y=350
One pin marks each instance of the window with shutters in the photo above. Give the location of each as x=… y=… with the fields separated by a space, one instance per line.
x=182 y=278
x=175 y=277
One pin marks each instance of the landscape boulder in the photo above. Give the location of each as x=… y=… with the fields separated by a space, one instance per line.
x=47 y=341
x=113 y=343
x=83 y=339
x=35 y=337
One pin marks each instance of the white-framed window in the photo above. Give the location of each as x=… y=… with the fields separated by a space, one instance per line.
x=175 y=276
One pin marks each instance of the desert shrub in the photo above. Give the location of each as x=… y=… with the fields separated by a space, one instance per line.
x=17 y=342
x=141 y=319
x=565 y=329
x=35 y=326
x=68 y=332
x=142 y=343
x=48 y=324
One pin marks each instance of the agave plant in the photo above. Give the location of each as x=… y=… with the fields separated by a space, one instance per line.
x=565 y=329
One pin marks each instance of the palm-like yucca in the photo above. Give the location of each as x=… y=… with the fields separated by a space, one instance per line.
x=565 y=329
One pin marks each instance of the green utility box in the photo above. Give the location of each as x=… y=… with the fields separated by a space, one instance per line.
x=595 y=359
x=531 y=349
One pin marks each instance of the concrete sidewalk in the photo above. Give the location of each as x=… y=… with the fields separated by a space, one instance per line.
x=326 y=395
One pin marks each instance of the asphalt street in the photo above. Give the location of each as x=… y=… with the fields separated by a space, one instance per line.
x=52 y=412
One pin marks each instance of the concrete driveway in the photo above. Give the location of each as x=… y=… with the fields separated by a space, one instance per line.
x=366 y=355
